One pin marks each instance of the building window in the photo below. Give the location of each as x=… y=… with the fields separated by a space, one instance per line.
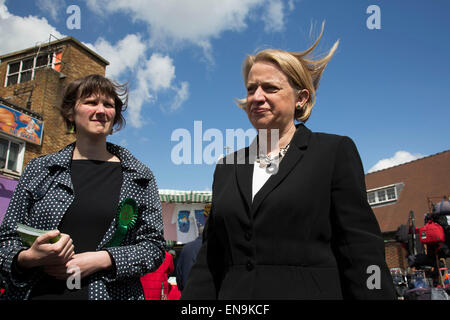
x=11 y=155
x=371 y=197
x=382 y=195
x=25 y=69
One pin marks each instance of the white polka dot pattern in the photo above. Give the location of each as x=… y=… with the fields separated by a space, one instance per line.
x=41 y=199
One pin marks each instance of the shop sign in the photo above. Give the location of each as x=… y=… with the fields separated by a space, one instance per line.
x=21 y=125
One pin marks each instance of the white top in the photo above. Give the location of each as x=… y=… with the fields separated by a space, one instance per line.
x=261 y=175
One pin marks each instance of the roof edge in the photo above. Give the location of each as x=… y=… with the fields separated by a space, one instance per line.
x=405 y=163
x=66 y=39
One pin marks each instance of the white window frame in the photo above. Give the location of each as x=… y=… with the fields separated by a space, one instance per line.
x=51 y=58
x=386 y=200
x=20 y=155
x=8 y=74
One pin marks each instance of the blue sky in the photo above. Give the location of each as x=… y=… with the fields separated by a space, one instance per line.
x=387 y=88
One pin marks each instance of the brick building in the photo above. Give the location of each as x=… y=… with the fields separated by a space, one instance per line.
x=31 y=85
x=413 y=186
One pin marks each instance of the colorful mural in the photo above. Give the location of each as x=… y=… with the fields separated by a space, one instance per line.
x=20 y=125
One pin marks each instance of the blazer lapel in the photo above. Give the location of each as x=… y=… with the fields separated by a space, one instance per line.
x=244 y=176
x=243 y=171
x=132 y=171
x=124 y=193
x=295 y=153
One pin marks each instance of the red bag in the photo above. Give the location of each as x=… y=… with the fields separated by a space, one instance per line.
x=431 y=233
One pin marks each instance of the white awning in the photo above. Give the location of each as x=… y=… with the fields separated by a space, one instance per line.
x=185 y=196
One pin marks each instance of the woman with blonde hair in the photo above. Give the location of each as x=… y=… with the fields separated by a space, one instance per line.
x=292 y=220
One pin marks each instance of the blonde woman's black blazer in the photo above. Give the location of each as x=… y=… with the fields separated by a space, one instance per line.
x=309 y=233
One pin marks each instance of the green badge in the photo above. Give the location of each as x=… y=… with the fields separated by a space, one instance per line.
x=126 y=218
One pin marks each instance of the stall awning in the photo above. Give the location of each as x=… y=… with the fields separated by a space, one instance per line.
x=183 y=196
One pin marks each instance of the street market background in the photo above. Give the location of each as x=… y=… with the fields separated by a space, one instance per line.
x=387 y=86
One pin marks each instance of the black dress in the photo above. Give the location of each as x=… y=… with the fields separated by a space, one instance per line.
x=97 y=189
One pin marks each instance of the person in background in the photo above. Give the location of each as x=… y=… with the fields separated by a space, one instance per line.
x=155 y=284
x=189 y=252
x=76 y=193
x=187 y=258
x=290 y=217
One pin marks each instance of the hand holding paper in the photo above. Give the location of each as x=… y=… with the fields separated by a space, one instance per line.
x=44 y=253
x=29 y=234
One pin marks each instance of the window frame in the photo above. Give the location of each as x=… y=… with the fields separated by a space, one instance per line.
x=383 y=189
x=8 y=74
x=53 y=61
x=20 y=155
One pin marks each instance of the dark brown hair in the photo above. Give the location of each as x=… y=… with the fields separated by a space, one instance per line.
x=94 y=84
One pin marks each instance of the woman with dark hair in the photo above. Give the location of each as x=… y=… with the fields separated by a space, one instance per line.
x=100 y=201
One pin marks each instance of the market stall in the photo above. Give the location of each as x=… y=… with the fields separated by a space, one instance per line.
x=428 y=250
x=183 y=213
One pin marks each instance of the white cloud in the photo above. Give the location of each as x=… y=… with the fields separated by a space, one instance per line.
x=51 y=7
x=158 y=73
x=127 y=57
x=135 y=101
x=400 y=157
x=172 y=23
x=123 y=56
x=151 y=76
x=182 y=20
x=18 y=33
x=291 y=5
x=274 y=16
x=181 y=96
x=156 y=76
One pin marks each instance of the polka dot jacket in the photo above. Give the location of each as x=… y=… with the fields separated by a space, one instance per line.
x=43 y=195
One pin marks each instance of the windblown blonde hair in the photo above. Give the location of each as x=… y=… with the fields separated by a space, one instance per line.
x=302 y=71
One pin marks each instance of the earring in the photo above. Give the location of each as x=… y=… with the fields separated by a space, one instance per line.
x=298 y=106
x=72 y=128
